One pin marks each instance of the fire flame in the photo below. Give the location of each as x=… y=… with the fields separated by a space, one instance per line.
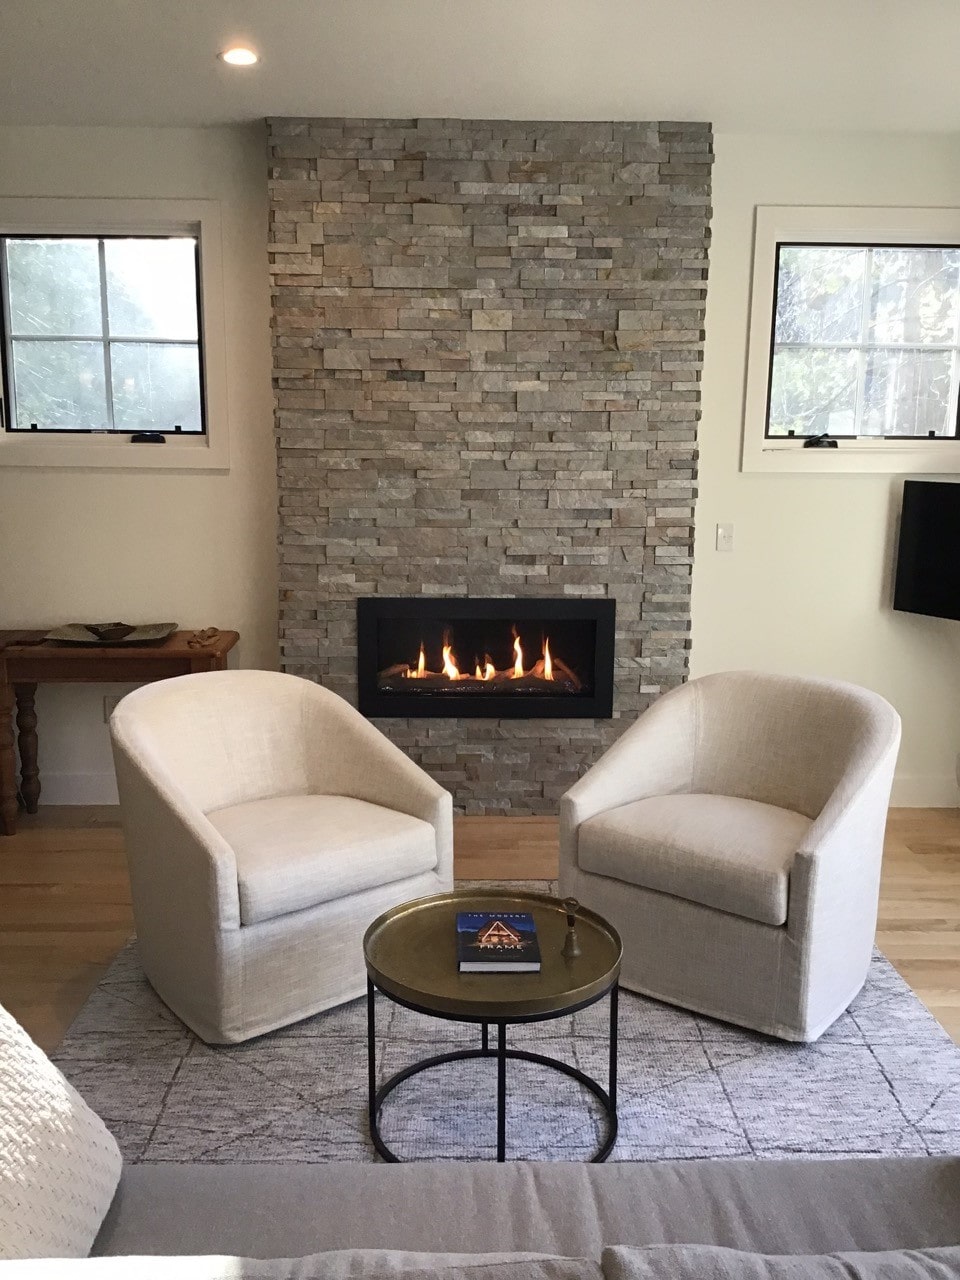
x=543 y=669
x=450 y=669
x=421 y=667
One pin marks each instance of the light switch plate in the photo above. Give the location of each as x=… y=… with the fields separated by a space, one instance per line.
x=724 y=537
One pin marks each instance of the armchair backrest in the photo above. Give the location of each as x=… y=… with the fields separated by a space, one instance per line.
x=786 y=740
x=223 y=737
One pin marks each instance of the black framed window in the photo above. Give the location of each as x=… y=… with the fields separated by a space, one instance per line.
x=101 y=334
x=865 y=341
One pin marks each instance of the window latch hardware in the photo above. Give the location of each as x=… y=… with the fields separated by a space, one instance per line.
x=822 y=441
x=148 y=437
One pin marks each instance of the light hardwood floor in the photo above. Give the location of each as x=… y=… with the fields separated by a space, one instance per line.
x=65 y=903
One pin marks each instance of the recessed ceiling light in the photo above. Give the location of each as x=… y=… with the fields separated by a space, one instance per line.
x=239 y=57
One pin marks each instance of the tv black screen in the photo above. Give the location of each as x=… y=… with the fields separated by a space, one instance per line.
x=928 y=557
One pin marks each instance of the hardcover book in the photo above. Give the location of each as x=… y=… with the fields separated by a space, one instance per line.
x=497 y=942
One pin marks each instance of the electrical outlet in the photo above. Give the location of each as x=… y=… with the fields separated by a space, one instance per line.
x=110 y=701
x=724 y=537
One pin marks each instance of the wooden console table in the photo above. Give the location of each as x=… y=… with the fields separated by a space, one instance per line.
x=26 y=660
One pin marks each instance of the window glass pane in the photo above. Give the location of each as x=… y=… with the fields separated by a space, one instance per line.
x=59 y=385
x=907 y=393
x=152 y=288
x=813 y=391
x=913 y=296
x=54 y=287
x=819 y=293
x=156 y=386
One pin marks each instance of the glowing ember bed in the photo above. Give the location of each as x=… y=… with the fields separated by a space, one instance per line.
x=487 y=657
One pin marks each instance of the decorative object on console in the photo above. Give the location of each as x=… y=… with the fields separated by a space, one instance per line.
x=109 y=633
x=689 y=832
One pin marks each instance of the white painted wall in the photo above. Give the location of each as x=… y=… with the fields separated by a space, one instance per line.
x=194 y=547
x=807 y=587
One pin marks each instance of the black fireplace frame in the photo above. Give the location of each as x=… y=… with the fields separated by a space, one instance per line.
x=596 y=706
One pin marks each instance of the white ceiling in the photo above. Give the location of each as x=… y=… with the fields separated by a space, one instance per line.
x=744 y=64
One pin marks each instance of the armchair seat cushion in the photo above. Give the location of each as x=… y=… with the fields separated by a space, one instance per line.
x=721 y=851
x=295 y=852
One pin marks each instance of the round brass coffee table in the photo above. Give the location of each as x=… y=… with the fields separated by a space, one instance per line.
x=411 y=958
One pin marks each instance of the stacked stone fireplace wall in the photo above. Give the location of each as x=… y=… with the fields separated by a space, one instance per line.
x=487 y=351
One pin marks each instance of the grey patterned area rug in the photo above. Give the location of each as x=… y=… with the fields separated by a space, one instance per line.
x=885 y=1080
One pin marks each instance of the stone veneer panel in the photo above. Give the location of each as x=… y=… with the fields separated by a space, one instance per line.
x=487 y=351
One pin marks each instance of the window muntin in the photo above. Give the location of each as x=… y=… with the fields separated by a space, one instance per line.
x=101 y=334
x=865 y=341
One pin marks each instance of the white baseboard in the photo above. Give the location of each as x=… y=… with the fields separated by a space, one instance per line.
x=912 y=792
x=78 y=788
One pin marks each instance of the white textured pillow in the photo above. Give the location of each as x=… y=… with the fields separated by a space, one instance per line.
x=59 y=1166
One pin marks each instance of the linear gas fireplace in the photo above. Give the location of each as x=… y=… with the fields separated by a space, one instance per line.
x=491 y=657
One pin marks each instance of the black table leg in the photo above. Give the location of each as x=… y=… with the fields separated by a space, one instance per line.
x=606 y=1098
x=501 y=1092
x=612 y=1089
x=372 y=1053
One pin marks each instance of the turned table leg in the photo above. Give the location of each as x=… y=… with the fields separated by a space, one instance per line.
x=8 y=776
x=27 y=742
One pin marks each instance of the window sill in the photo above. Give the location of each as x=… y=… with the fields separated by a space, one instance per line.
x=110 y=453
x=870 y=457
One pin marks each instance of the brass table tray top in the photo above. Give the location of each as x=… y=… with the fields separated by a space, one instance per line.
x=411 y=954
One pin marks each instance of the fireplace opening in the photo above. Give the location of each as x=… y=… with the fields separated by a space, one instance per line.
x=485 y=657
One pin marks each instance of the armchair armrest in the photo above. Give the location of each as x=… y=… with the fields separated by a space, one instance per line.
x=183 y=863
x=837 y=868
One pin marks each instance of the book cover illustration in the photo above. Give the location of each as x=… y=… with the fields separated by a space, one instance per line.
x=497 y=942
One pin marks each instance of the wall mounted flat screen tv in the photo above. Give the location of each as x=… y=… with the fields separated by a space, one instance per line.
x=928 y=557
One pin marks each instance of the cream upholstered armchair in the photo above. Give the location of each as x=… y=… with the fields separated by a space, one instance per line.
x=267 y=824
x=734 y=836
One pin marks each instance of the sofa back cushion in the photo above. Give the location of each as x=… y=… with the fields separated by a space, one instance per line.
x=705 y=1262
x=339 y=1264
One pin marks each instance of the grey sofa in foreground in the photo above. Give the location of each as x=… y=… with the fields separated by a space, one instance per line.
x=777 y=1207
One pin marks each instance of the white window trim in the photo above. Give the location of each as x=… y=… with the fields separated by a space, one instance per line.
x=795 y=225
x=57 y=216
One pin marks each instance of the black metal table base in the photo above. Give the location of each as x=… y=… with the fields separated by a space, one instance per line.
x=377 y=1096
